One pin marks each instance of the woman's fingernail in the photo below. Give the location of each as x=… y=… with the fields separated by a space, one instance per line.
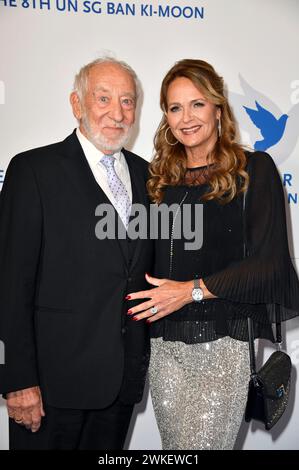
x=127 y=297
x=148 y=322
x=134 y=318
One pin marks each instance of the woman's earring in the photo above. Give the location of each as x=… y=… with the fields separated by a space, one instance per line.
x=165 y=135
x=219 y=128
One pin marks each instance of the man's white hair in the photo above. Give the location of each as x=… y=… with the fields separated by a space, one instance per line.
x=81 y=79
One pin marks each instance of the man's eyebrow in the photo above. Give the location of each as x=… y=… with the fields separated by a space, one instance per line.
x=100 y=88
x=132 y=95
x=105 y=90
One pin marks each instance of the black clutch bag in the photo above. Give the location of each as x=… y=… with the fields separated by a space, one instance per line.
x=269 y=388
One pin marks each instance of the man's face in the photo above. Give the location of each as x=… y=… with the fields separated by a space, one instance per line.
x=107 y=111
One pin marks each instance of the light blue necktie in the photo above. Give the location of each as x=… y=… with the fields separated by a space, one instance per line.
x=122 y=200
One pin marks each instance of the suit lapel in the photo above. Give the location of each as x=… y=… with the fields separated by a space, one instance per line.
x=138 y=196
x=78 y=170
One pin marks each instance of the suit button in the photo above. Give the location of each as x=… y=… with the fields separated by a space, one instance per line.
x=129 y=279
x=123 y=330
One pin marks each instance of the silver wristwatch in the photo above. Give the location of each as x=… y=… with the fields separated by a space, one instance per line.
x=197 y=292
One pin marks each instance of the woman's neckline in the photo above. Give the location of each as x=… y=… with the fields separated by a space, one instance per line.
x=198 y=167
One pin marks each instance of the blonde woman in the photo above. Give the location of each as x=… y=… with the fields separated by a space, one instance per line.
x=200 y=300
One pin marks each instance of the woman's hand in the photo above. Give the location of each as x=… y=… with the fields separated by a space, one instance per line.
x=168 y=297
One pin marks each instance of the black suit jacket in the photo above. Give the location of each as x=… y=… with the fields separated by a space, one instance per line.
x=62 y=314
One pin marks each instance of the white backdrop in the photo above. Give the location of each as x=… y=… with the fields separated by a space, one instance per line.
x=253 y=44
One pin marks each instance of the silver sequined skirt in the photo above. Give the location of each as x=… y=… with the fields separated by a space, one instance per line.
x=199 y=392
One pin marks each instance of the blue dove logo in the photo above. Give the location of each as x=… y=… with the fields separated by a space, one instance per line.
x=272 y=129
x=268 y=127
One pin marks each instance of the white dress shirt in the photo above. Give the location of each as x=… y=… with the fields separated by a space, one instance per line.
x=93 y=156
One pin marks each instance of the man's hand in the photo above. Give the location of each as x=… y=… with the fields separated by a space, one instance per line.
x=26 y=407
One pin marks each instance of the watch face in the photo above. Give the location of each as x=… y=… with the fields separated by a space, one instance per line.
x=197 y=294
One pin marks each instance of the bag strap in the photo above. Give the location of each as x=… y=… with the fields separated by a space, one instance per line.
x=252 y=355
x=251 y=346
x=251 y=342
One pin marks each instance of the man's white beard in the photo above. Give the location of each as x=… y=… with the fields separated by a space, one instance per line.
x=102 y=143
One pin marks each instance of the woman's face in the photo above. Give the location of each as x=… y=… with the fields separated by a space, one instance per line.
x=192 y=119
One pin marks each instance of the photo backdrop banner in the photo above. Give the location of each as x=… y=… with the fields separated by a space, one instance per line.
x=253 y=44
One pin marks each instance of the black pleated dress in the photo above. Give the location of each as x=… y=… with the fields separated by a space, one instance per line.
x=263 y=285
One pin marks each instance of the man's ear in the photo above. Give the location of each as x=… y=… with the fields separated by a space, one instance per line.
x=76 y=105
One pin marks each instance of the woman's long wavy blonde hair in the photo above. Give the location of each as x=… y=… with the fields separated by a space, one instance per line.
x=228 y=176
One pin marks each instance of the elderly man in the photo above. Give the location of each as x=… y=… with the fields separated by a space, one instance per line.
x=75 y=363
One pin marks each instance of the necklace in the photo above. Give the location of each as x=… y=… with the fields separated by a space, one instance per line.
x=171 y=236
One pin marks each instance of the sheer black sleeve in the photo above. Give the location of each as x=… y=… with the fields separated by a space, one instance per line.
x=266 y=275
